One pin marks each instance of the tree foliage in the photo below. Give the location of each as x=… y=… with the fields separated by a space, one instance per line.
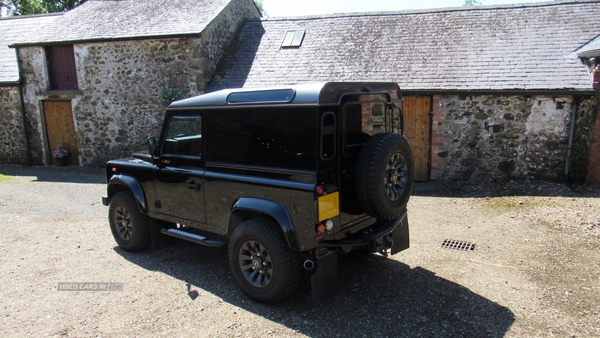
x=472 y=3
x=259 y=5
x=22 y=7
x=27 y=7
x=61 y=5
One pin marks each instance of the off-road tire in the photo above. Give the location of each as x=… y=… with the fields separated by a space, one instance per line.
x=128 y=225
x=384 y=176
x=277 y=268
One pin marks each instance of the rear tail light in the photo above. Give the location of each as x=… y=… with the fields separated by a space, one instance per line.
x=324 y=226
x=321 y=228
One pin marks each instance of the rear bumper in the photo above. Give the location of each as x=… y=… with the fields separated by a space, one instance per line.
x=398 y=229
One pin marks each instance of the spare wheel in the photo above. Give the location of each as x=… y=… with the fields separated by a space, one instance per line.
x=384 y=176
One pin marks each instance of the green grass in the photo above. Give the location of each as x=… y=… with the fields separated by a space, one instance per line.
x=4 y=178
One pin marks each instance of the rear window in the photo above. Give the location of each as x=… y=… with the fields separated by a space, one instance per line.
x=361 y=121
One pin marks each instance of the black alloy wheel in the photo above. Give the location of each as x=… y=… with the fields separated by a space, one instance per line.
x=255 y=263
x=263 y=265
x=395 y=179
x=128 y=225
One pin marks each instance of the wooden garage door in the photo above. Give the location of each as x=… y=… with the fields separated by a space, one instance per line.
x=60 y=128
x=417 y=123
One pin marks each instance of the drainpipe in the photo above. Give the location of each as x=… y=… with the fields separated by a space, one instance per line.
x=23 y=109
x=571 y=134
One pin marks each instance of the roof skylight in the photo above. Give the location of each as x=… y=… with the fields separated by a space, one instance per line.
x=293 y=38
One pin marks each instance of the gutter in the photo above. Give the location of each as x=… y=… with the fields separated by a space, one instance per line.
x=23 y=109
x=106 y=39
x=10 y=84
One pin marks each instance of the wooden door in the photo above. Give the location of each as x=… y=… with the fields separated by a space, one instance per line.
x=417 y=124
x=60 y=129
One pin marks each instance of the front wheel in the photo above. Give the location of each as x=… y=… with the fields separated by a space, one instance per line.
x=263 y=265
x=128 y=225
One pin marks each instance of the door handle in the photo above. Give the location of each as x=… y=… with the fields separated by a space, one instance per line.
x=194 y=185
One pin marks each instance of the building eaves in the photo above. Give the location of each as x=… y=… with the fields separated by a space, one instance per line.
x=588 y=50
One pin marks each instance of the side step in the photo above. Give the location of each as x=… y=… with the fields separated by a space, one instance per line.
x=192 y=237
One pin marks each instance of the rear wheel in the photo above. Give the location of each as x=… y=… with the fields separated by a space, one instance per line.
x=128 y=225
x=263 y=265
x=384 y=176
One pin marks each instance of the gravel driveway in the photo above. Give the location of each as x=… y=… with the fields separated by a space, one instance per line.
x=534 y=271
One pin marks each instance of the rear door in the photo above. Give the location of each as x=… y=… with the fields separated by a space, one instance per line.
x=180 y=173
x=362 y=116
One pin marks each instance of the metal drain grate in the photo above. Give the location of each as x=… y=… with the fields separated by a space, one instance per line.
x=458 y=245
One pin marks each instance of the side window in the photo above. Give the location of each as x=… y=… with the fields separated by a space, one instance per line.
x=184 y=136
x=274 y=137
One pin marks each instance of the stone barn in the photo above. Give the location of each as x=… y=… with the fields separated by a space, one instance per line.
x=14 y=140
x=489 y=92
x=97 y=78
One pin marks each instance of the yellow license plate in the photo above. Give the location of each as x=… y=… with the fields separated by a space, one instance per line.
x=329 y=206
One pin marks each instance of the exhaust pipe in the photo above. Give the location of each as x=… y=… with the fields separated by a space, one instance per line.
x=308 y=264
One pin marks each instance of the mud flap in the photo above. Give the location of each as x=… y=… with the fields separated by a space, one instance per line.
x=400 y=236
x=159 y=240
x=324 y=280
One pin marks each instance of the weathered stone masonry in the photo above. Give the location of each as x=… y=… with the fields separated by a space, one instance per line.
x=594 y=163
x=122 y=83
x=118 y=102
x=489 y=138
x=33 y=76
x=13 y=147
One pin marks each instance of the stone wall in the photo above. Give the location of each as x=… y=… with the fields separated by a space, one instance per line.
x=587 y=110
x=13 y=146
x=489 y=138
x=120 y=84
x=593 y=170
x=35 y=83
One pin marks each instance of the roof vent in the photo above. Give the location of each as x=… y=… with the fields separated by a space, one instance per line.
x=293 y=39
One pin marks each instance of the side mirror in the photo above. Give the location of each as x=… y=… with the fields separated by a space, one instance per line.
x=152 y=146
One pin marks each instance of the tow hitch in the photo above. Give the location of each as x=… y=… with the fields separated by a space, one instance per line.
x=382 y=248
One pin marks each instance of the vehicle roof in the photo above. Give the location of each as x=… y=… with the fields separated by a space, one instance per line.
x=321 y=93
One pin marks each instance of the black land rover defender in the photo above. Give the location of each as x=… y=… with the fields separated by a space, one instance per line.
x=287 y=177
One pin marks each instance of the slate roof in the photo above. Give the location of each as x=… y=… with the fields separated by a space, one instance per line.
x=101 y=20
x=13 y=29
x=487 y=48
x=590 y=49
